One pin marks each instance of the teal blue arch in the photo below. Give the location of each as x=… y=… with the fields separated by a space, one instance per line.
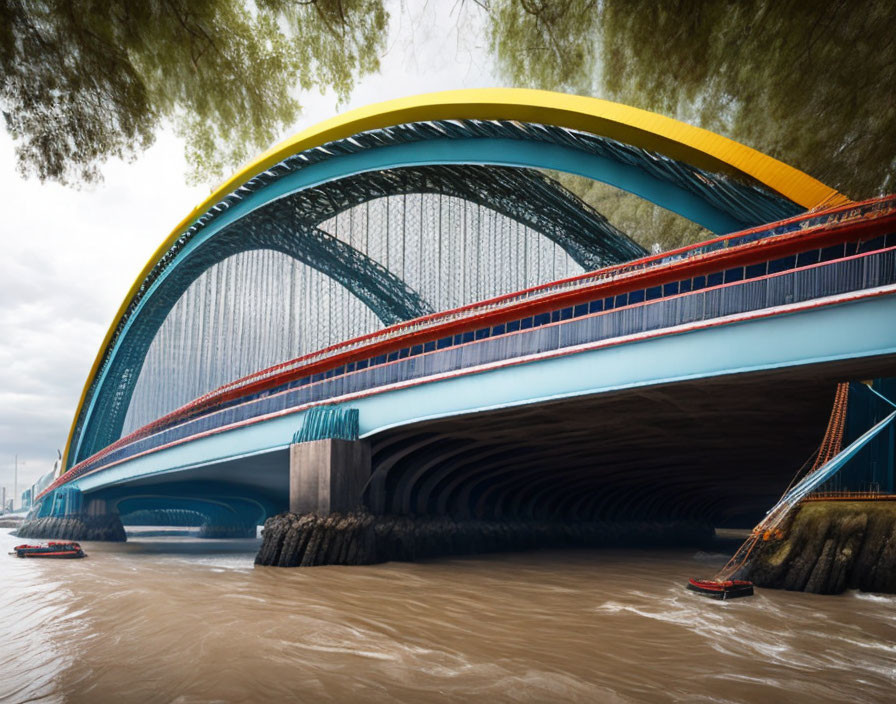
x=483 y=151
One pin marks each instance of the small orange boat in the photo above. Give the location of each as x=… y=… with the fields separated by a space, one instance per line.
x=59 y=550
x=717 y=589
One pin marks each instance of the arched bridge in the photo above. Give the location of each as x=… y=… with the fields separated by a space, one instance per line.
x=411 y=290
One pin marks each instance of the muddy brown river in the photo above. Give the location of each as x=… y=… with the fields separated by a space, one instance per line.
x=178 y=619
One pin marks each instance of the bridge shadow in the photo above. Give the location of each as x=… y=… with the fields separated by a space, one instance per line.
x=718 y=450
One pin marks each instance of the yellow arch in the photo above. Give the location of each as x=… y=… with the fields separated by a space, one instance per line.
x=640 y=128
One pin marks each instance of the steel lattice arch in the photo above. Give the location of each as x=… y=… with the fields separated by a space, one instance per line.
x=398 y=211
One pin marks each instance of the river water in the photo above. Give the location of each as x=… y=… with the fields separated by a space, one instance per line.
x=177 y=619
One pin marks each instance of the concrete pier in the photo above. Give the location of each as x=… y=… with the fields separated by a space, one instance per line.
x=307 y=540
x=327 y=476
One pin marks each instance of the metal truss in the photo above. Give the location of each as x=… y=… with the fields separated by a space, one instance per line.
x=289 y=225
x=521 y=194
x=524 y=195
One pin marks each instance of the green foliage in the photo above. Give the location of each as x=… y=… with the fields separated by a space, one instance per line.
x=654 y=228
x=545 y=43
x=86 y=80
x=808 y=83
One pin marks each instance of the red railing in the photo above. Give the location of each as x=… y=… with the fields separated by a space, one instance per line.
x=609 y=281
x=864 y=219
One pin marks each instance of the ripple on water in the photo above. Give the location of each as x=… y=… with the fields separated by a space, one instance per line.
x=178 y=619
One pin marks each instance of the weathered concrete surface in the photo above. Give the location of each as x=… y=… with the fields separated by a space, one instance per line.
x=831 y=546
x=75 y=527
x=327 y=476
x=293 y=540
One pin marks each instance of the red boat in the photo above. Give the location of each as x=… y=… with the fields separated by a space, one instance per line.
x=728 y=589
x=58 y=550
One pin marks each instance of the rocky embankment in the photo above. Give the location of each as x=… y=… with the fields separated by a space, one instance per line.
x=292 y=540
x=76 y=527
x=830 y=546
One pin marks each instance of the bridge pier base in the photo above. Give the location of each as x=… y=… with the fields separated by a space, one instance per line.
x=327 y=476
x=360 y=538
x=94 y=522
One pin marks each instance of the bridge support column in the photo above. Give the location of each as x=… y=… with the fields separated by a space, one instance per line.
x=327 y=476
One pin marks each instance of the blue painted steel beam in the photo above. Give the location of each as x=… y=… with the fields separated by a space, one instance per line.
x=813 y=336
x=503 y=152
x=288 y=225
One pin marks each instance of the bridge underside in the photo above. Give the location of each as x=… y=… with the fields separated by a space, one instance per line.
x=719 y=450
x=245 y=490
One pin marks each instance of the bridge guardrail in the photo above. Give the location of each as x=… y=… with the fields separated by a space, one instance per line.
x=802 y=222
x=851 y=274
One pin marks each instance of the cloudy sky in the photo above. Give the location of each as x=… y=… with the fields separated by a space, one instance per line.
x=70 y=255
